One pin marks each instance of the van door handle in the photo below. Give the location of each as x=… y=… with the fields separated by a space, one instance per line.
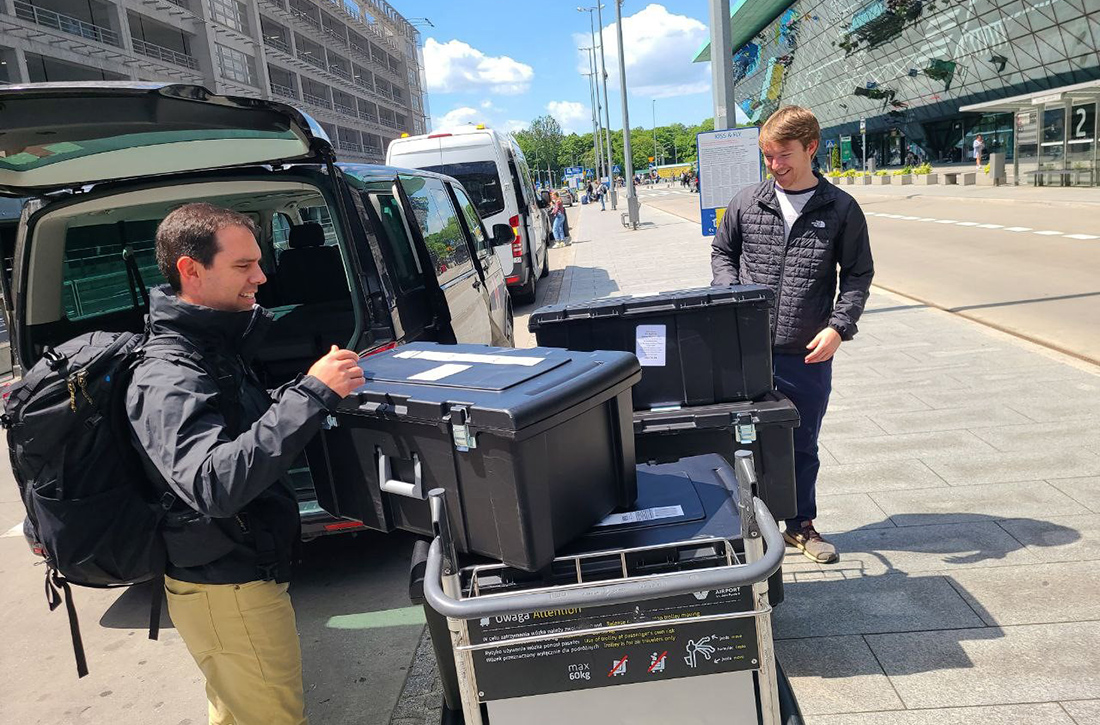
x=477 y=283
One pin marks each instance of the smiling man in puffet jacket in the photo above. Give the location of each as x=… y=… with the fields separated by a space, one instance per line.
x=793 y=233
x=219 y=445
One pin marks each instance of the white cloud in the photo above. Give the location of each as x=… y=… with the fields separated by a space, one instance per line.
x=456 y=117
x=570 y=115
x=455 y=66
x=658 y=47
x=488 y=106
x=511 y=125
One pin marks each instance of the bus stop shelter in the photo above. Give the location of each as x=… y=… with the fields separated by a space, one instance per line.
x=1055 y=137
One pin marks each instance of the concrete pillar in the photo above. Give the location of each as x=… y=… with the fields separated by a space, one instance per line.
x=257 y=35
x=997 y=169
x=203 y=49
x=122 y=27
x=22 y=73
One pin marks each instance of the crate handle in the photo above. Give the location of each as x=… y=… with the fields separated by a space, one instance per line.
x=643 y=588
x=389 y=484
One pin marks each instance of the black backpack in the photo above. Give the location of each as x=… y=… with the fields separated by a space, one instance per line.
x=90 y=504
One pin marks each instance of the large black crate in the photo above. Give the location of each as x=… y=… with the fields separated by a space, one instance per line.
x=696 y=347
x=532 y=446
x=766 y=425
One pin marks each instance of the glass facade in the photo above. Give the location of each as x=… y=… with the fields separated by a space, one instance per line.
x=908 y=65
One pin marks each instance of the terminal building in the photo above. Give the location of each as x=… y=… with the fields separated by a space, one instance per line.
x=353 y=65
x=929 y=76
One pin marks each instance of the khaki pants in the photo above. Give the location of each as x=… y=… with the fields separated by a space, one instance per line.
x=244 y=639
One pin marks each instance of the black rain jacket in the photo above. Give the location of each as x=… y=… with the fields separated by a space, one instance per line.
x=235 y=516
x=831 y=232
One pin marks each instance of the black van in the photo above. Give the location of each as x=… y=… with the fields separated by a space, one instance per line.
x=366 y=257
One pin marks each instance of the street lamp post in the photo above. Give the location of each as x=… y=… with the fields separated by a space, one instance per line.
x=595 y=70
x=655 y=131
x=607 y=114
x=595 y=127
x=628 y=158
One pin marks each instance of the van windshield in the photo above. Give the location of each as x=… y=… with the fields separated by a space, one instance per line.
x=481 y=182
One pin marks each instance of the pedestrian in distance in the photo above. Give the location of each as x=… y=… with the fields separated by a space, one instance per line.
x=601 y=194
x=219 y=448
x=807 y=240
x=979 y=146
x=557 y=213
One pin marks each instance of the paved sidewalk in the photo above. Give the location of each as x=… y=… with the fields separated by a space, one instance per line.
x=961 y=482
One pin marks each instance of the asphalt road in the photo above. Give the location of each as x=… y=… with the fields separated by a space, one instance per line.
x=1030 y=267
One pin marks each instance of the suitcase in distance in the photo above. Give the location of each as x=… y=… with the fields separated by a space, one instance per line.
x=532 y=446
x=696 y=347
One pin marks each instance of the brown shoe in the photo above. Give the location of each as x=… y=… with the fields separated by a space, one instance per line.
x=810 y=543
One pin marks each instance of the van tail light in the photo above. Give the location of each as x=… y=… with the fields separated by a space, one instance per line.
x=439 y=135
x=514 y=279
x=341 y=525
x=376 y=350
x=517 y=243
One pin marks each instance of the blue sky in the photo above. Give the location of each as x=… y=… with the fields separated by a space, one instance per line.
x=504 y=62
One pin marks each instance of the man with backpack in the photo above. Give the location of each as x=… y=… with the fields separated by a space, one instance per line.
x=218 y=446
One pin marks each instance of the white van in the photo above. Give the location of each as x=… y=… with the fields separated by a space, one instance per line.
x=491 y=166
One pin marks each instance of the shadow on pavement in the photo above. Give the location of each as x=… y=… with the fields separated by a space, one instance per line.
x=338 y=583
x=844 y=600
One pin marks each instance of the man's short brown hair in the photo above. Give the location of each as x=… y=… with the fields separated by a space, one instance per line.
x=791 y=123
x=190 y=231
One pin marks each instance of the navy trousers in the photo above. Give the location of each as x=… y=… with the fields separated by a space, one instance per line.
x=808 y=386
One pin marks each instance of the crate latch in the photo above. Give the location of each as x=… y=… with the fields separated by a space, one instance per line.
x=460 y=429
x=744 y=429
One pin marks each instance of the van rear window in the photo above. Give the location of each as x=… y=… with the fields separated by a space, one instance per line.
x=481 y=182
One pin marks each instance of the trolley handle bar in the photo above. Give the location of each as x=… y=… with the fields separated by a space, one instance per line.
x=652 y=587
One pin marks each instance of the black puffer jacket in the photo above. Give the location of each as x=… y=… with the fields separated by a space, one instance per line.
x=235 y=518
x=830 y=232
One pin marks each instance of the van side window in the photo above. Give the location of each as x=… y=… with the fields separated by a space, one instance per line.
x=395 y=236
x=94 y=278
x=440 y=226
x=473 y=223
x=280 y=231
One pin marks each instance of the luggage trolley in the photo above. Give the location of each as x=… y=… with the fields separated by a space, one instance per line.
x=674 y=632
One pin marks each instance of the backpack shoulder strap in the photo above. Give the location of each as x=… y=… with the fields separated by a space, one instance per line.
x=175 y=348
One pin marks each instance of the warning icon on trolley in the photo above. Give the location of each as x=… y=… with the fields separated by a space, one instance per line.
x=618 y=669
x=695 y=648
x=657 y=662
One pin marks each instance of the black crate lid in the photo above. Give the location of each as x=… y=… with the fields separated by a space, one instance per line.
x=676 y=502
x=651 y=304
x=773 y=408
x=499 y=388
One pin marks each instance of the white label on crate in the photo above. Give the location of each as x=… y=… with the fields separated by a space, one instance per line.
x=650 y=345
x=633 y=517
x=466 y=357
x=438 y=373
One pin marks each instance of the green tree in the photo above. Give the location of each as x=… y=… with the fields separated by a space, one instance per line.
x=542 y=143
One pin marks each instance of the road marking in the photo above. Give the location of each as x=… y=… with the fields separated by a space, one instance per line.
x=977 y=225
x=16 y=530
